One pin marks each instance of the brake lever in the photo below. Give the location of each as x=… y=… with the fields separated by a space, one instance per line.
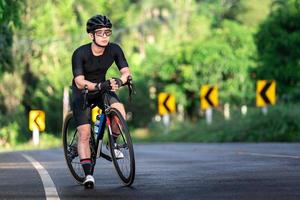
x=130 y=93
x=131 y=89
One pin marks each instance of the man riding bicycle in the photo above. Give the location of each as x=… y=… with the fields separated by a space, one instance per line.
x=90 y=63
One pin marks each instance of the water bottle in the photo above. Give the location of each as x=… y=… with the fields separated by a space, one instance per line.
x=97 y=125
x=100 y=119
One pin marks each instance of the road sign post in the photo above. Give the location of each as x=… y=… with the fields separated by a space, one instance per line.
x=166 y=122
x=264 y=110
x=208 y=115
x=265 y=94
x=36 y=124
x=166 y=103
x=209 y=99
x=227 y=111
x=166 y=106
x=36 y=136
x=244 y=110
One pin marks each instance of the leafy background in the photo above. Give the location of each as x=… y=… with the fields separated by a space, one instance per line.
x=173 y=46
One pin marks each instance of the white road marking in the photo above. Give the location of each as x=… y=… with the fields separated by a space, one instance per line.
x=15 y=165
x=49 y=187
x=268 y=155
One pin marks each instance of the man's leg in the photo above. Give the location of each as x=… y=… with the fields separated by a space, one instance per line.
x=115 y=128
x=83 y=143
x=82 y=119
x=84 y=152
x=119 y=107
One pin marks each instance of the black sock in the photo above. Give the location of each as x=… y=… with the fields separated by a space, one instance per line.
x=87 y=166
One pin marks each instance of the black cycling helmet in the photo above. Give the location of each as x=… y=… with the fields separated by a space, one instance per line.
x=97 y=21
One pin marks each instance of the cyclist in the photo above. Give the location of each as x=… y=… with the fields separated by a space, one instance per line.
x=90 y=63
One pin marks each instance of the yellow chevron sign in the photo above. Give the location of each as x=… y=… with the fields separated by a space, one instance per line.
x=265 y=93
x=37 y=120
x=95 y=111
x=209 y=96
x=166 y=103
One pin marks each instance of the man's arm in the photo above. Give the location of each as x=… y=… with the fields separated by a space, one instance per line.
x=125 y=72
x=81 y=82
x=121 y=63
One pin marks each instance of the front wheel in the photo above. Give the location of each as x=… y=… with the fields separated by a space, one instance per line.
x=121 y=147
x=70 y=141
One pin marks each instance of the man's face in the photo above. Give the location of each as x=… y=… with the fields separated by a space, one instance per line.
x=102 y=36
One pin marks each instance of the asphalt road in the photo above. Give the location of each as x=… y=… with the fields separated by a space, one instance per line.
x=163 y=171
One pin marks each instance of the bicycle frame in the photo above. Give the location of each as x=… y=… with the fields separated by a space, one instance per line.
x=108 y=147
x=104 y=121
x=96 y=143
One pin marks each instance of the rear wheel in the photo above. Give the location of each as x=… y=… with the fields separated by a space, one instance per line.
x=121 y=147
x=70 y=138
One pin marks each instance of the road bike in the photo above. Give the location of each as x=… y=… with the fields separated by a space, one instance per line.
x=118 y=150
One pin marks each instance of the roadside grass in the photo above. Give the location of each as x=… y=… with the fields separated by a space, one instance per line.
x=281 y=124
x=47 y=141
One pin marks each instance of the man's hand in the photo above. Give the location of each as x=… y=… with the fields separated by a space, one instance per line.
x=116 y=83
x=105 y=86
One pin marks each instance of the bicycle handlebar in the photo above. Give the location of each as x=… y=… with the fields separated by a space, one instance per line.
x=129 y=83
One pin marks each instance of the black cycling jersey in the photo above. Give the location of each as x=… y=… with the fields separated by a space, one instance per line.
x=94 y=68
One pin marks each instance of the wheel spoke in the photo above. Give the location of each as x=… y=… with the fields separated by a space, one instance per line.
x=70 y=137
x=124 y=164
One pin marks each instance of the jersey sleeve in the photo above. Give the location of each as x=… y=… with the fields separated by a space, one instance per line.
x=119 y=57
x=77 y=63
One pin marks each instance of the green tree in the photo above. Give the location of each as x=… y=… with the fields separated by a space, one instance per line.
x=173 y=46
x=278 y=41
x=10 y=11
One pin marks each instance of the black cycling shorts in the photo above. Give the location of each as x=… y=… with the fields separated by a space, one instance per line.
x=84 y=116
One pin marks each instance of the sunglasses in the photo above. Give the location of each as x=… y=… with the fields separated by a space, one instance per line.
x=103 y=32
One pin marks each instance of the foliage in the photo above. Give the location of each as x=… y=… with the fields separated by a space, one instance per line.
x=10 y=11
x=278 y=41
x=281 y=124
x=173 y=46
x=8 y=134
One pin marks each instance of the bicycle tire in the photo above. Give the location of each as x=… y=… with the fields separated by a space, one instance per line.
x=113 y=115
x=77 y=172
